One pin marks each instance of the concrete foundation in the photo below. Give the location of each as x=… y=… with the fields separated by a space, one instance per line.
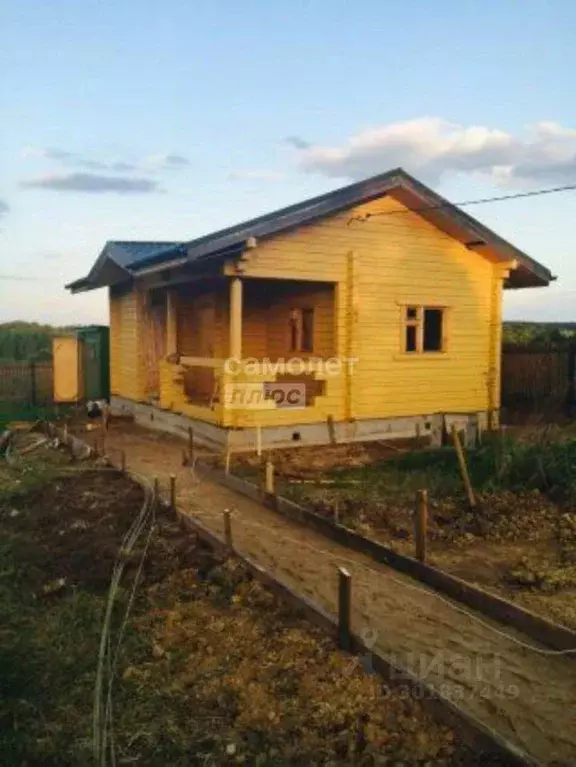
x=429 y=428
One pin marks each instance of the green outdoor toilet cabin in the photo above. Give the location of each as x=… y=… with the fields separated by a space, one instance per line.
x=94 y=349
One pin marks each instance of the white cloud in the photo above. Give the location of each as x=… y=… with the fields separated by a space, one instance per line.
x=153 y=162
x=165 y=160
x=92 y=183
x=433 y=149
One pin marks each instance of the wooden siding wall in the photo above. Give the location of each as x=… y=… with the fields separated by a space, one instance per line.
x=127 y=362
x=266 y=314
x=382 y=263
x=376 y=265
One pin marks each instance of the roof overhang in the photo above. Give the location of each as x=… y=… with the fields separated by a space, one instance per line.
x=468 y=230
x=113 y=265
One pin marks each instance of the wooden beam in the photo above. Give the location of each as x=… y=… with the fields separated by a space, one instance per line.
x=171 y=322
x=236 y=318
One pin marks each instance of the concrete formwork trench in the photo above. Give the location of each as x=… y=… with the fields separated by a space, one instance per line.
x=524 y=692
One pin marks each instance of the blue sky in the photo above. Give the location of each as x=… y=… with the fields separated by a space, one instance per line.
x=147 y=120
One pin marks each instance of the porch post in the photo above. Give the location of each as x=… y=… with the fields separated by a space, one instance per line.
x=171 y=323
x=236 y=318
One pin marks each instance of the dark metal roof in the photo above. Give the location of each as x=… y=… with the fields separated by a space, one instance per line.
x=118 y=254
x=415 y=195
x=131 y=252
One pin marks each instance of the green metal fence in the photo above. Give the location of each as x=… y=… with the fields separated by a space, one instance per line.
x=25 y=391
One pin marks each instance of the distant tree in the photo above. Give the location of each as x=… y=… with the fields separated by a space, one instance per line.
x=20 y=341
x=539 y=333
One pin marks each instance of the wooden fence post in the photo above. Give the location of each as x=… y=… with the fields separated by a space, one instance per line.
x=463 y=468
x=173 y=492
x=33 y=387
x=228 y=529
x=344 y=608
x=421 y=524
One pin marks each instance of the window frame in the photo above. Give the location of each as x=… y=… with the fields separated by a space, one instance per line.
x=418 y=323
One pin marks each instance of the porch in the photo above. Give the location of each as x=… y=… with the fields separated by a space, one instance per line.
x=228 y=351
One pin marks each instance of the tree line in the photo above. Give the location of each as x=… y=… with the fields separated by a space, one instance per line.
x=529 y=334
x=27 y=341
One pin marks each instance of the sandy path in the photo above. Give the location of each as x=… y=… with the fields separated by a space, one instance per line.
x=528 y=697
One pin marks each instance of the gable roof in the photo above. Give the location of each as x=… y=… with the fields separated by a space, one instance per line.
x=233 y=240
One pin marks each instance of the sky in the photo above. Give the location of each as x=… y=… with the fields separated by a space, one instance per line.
x=134 y=119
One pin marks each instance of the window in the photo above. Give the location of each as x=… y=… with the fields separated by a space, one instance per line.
x=424 y=329
x=301 y=330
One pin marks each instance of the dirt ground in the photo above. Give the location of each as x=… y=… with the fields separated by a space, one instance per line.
x=214 y=669
x=519 y=555
x=527 y=694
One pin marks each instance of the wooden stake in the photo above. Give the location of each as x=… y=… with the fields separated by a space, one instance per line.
x=418 y=436
x=478 y=430
x=463 y=468
x=123 y=461
x=173 y=491
x=156 y=492
x=259 y=441
x=228 y=528
x=191 y=445
x=269 y=478
x=184 y=457
x=421 y=524
x=344 y=608
x=227 y=462
x=331 y=429
x=105 y=416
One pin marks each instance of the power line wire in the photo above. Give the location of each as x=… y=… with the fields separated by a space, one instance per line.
x=479 y=201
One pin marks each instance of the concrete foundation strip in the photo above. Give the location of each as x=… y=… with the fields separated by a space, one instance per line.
x=473 y=732
x=541 y=630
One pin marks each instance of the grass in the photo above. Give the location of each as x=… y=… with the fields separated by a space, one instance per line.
x=501 y=463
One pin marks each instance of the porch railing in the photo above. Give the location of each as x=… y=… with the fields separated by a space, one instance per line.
x=243 y=393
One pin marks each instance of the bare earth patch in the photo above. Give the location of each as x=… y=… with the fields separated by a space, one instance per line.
x=214 y=670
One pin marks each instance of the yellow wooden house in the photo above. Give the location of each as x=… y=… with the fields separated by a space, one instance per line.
x=370 y=312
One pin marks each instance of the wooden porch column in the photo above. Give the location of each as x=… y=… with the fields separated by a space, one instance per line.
x=236 y=318
x=171 y=323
